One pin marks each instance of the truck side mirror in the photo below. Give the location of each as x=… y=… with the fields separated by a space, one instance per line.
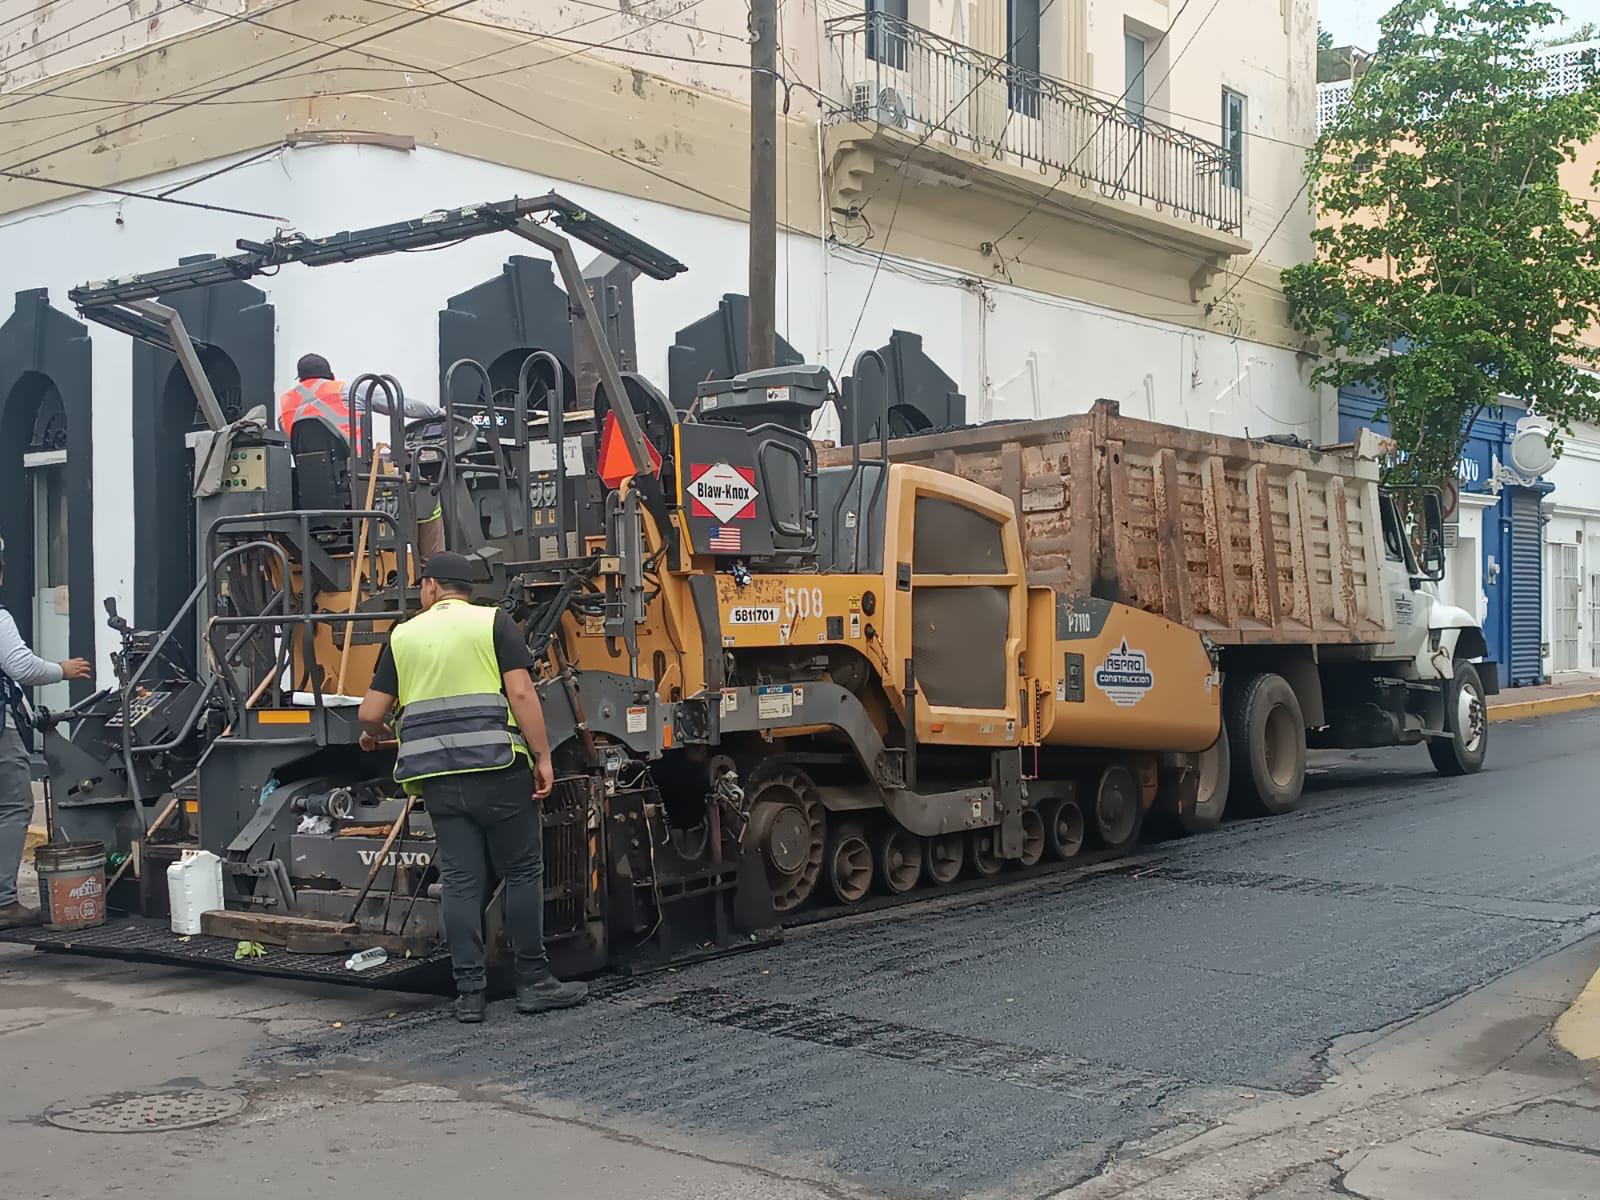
x=1432 y=536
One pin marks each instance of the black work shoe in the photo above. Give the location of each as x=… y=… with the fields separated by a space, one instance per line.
x=546 y=992
x=470 y=1008
x=18 y=916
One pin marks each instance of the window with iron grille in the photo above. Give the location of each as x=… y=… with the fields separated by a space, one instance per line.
x=1233 y=138
x=886 y=32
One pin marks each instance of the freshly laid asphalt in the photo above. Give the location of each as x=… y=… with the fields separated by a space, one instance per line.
x=1019 y=1037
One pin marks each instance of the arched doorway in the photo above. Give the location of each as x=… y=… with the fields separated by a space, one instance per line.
x=232 y=326
x=46 y=497
x=503 y=320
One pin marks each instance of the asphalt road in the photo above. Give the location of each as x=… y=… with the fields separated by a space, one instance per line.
x=1017 y=1039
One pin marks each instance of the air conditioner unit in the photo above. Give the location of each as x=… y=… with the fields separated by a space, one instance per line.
x=885 y=105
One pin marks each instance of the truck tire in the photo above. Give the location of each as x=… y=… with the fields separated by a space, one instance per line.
x=1467 y=719
x=1211 y=802
x=1266 y=743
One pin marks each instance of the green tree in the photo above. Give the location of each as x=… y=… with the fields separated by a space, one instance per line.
x=1452 y=268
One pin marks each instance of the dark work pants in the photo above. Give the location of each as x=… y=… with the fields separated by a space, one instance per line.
x=481 y=820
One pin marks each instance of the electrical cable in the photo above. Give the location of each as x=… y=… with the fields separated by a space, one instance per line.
x=903 y=170
x=1105 y=120
x=160 y=47
x=233 y=87
x=111 y=191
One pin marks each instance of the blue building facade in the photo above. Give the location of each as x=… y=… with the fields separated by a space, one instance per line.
x=1509 y=570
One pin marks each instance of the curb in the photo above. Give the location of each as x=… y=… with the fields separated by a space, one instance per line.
x=1521 y=709
x=1577 y=1031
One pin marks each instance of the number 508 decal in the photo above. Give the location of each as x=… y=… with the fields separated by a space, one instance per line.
x=802 y=603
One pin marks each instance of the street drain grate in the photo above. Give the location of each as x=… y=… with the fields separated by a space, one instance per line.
x=149 y=1112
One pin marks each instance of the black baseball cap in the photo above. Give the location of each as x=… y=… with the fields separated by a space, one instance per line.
x=313 y=366
x=447 y=566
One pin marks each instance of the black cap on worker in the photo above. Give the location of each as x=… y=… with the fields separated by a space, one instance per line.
x=448 y=567
x=313 y=366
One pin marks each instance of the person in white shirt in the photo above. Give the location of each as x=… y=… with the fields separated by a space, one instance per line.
x=20 y=668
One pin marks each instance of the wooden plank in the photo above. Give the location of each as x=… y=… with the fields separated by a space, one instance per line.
x=1118 y=557
x=1219 y=541
x=1344 y=579
x=1263 y=550
x=1302 y=555
x=1176 y=602
x=1011 y=487
x=267 y=928
x=1377 y=601
x=1082 y=483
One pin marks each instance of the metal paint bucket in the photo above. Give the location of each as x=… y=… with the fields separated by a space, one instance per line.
x=72 y=884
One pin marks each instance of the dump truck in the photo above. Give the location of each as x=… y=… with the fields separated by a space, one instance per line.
x=767 y=685
x=1295 y=563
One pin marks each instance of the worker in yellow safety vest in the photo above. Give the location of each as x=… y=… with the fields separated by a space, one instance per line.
x=473 y=745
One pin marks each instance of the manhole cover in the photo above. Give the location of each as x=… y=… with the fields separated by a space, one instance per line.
x=149 y=1112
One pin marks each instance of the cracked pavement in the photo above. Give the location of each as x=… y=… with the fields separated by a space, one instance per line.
x=1354 y=1000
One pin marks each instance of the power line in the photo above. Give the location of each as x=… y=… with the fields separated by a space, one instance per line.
x=158 y=48
x=1267 y=241
x=1105 y=120
x=904 y=169
x=105 y=133
x=178 y=98
x=160 y=198
x=608 y=11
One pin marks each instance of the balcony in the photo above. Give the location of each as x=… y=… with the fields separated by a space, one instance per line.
x=939 y=92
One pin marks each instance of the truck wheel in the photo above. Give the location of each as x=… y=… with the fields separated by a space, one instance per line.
x=1267 y=739
x=899 y=858
x=849 y=863
x=1467 y=719
x=1117 y=812
x=1032 y=838
x=1063 y=828
x=1215 y=767
x=943 y=857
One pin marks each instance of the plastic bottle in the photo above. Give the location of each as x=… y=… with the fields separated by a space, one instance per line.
x=194 y=887
x=365 y=960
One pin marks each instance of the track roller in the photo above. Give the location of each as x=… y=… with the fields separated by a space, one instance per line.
x=899 y=858
x=1116 y=810
x=983 y=852
x=943 y=857
x=1063 y=828
x=849 y=863
x=1033 y=838
x=788 y=824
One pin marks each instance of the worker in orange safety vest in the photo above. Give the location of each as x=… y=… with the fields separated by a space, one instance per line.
x=317 y=393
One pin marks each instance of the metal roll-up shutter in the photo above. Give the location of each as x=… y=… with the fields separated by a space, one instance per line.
x=1524 y=591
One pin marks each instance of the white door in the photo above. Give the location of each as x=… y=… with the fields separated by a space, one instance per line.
x=1565 y=591
x=50 y=596
x=1594 y=621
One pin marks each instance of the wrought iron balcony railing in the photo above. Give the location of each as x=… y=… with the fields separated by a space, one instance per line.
x=900 y=75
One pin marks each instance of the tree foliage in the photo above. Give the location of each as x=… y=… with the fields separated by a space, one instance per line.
x=1452 y=267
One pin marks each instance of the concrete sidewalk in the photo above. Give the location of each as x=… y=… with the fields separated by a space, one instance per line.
x=1546 y=700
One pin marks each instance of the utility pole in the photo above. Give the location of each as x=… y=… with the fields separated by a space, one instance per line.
x=763 y=183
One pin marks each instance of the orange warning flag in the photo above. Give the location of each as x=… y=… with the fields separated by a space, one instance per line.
x=616 y=464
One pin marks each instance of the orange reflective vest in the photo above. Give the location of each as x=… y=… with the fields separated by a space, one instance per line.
x=318 y=398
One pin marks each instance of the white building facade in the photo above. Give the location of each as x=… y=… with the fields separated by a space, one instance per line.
x=1063 y=200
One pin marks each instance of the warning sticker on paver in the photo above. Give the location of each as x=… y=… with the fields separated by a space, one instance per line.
x=774 y=703
x=638 y=719
x=1125 y=676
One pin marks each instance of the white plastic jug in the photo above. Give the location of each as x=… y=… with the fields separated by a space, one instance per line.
x=194 y=886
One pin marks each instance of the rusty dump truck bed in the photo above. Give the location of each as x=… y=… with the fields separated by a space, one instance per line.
x=1243 y=540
